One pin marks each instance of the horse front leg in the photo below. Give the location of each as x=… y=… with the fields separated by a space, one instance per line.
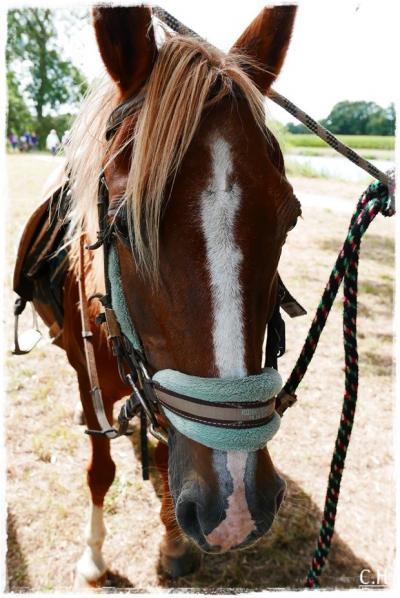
x=178 y=557
x=91 y=568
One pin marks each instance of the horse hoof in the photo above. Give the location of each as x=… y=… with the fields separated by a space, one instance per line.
x=90 y=571
x=179 y=566
x=82 y=584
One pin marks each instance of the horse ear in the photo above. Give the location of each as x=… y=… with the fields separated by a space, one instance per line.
x=125 y=37
x=265 y=42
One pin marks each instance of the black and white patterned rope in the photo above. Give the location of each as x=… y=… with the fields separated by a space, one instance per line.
x=330 y=139
x=385 y=178
x=172 y=22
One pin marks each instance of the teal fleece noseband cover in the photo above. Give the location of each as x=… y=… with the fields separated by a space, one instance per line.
x=223 y=390
x=249 y=389
x=118 y=301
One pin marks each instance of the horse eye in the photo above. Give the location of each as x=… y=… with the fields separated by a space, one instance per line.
x=121 y=226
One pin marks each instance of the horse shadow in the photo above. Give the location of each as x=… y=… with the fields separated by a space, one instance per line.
x=16 y=564
x=279 y=560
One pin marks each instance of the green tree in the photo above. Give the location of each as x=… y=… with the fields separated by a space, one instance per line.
x=46 y=80
x=360 y=118
x=297 y=129
x=19 y=119
x=382 y=122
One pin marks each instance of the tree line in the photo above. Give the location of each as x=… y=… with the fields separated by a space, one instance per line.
x=43 y=88
x=356 y=118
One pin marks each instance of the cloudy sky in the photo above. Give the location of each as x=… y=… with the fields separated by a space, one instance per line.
x=341 y=49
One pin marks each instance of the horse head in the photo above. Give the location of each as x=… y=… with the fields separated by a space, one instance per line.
x=201 y=208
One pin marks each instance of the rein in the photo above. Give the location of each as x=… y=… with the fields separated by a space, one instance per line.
x=373 y=201
x=184 y=398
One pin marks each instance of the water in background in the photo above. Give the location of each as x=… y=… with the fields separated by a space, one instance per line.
x=337 y=166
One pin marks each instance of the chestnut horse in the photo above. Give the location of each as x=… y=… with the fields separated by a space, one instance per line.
x=197 y=180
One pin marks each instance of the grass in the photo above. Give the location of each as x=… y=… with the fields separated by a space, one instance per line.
x=368 y=154
x=354 y=141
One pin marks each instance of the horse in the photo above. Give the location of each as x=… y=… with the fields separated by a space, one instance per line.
x=201 y=208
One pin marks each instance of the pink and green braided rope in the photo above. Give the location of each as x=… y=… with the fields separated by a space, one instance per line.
x=375 y=200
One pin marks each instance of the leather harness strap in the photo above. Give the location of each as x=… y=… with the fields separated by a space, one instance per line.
x=87 y=336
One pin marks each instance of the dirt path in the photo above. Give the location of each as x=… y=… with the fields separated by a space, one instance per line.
x=46 y=489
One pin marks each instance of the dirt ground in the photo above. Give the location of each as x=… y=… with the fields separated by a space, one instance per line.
x=46 y=489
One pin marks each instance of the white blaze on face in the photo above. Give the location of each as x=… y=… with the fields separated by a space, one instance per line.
x=220 y=203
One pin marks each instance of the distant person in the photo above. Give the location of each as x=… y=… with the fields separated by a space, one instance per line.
x=27 y=136
x=65 y=137
x=13 y=139
x=23 y=143
x=34 y=140
x=52 y=142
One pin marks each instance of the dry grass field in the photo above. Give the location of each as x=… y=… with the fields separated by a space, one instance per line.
x=46 y=489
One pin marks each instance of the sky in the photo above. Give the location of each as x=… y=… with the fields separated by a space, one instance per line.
x=340 y=49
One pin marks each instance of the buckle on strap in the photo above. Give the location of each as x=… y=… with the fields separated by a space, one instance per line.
x=284 y=400
x=154 y=428
x=111 y=322
x=109 y=319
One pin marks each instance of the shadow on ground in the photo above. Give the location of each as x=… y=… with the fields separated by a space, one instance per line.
x=280 y=560
x=17 y=569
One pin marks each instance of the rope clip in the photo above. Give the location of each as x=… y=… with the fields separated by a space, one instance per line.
x=284 y=400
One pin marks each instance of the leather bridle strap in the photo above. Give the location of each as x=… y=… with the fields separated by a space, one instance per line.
x=132 y=404
x=87 y=336
x=122 y=111
x=124 y=354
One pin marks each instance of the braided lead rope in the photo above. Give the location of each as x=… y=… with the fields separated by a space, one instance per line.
x=330 y=139
x=377 y=192
x=173 y=23
x=374 y=200
x=346 y=420
x=302 y=116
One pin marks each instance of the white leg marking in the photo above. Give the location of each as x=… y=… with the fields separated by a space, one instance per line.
x=219 y=206
x=91 y=565
x=238 y=523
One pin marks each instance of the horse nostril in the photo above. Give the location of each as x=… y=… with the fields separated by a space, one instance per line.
x=279 y=498
x=188 y=518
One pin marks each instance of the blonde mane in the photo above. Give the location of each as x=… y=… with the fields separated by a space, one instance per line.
x=188 y=77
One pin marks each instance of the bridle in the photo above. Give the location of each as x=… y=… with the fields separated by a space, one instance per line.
x=182 y=399
x=149 y=396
